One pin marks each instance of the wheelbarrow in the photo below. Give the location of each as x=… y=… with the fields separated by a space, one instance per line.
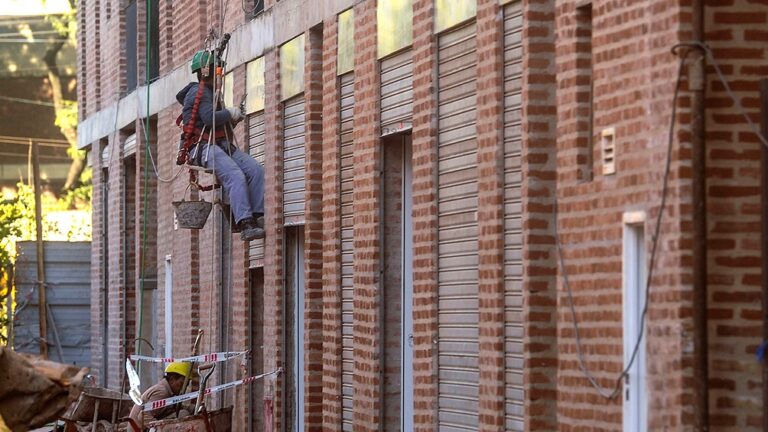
x=214 y=421
x=96 y=409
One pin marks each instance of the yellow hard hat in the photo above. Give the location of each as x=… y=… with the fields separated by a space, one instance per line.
x=181 y=368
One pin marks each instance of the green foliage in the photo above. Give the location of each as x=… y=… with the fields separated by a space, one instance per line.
x=11 y=213
x=66 y=116
x=79 y=198
x=65 y=24
x=17 y=223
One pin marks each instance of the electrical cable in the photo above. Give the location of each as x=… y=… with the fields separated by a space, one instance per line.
x=27 y=101
x=616 y=390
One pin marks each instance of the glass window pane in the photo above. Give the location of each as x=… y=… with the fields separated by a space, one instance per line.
x=227 y=89
x=254 y=82
x=292 y=67
x=346 y=52
x=395 y=25
x=451 y=12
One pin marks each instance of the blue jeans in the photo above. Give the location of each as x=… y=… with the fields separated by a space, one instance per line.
x=242 y=177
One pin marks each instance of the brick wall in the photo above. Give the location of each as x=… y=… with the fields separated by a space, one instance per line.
x=90 y=74
x=313 y=229
x=539 y=187
x=366 y=232
x=735 y=30
x=331 y=225
x=632 y=92
x=273 y=261
x=424 y=218
x=98 y=270
x=110 y=59
x=490 y=215
x=633 y=74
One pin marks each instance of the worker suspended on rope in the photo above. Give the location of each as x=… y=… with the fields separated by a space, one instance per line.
x=169 y=386
x=241 y=175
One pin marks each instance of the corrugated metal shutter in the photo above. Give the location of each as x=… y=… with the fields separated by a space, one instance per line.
x=396 y=93
x=457 y=231
x=513 y=241
x=293 y=161
x=68 y=273
x=347 y=98
x=256 y=141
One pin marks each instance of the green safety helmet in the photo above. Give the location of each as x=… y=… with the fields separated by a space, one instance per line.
x=203 y=58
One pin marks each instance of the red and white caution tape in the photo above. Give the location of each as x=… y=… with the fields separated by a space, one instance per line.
x=204 y=358
x=162 y=403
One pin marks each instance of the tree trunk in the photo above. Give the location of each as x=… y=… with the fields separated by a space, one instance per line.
x=70 y=133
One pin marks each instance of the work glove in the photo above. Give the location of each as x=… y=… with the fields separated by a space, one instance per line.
x=236 y=113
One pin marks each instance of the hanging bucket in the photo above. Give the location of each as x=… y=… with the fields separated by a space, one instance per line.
x=192 y=214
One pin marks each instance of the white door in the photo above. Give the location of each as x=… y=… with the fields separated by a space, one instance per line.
x=298 y=329
x=634 y=279
x=407 y=293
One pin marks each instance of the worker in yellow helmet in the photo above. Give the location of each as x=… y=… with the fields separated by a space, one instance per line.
x=169 y=386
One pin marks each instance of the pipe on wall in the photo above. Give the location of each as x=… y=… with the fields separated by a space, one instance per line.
x=764 y=224
x=697 y=87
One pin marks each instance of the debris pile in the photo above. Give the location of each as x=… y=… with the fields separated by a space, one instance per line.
x=34 y=391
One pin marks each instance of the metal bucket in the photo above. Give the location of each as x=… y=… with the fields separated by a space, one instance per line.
x=192 y=214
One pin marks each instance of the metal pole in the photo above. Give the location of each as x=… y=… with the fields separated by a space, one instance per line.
x=41 y=306
x=764 y=224
x=697 y=87
x=10 y=299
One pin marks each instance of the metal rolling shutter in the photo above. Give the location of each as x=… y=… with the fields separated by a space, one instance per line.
x=457 y=231
x=513 y=241
x=256 y=140
x=396 y=93
x=347 y=98
x=293 y=161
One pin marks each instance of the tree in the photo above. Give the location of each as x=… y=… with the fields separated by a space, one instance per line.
x=66 y=110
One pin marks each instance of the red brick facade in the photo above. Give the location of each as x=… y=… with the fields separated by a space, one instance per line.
x=584 y=68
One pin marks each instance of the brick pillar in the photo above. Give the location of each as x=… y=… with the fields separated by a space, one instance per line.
x=98 y=270
x=539 y=183
x=166 y=36
x=313 y=230
x=490 y=217
x=166 y=236
x=274 y=243
x=185 y=247
x=146 y=245
x=118 y=324
x=331 y=227
x=82 y=64
x=424 y=218
x=367 y=393
x=240 y=307
x=92 y=37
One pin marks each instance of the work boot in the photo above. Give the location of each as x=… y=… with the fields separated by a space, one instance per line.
x=260 y=222
x=235 y=227
x=249 y=230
